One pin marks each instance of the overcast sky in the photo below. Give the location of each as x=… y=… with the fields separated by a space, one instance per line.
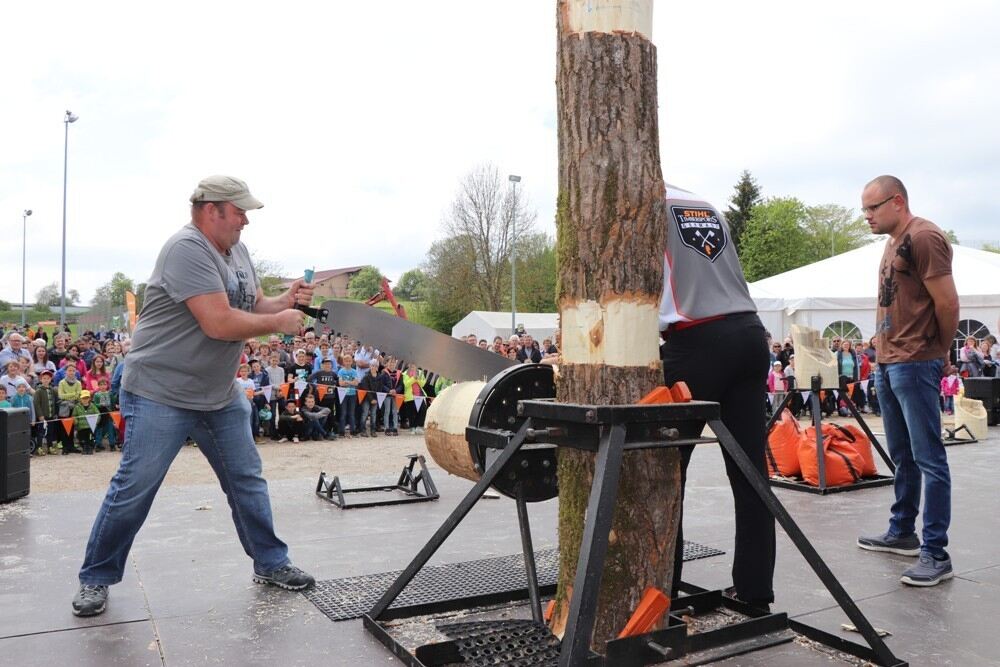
x=354 y=121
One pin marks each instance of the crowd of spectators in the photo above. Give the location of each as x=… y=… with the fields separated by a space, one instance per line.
x=308 y=387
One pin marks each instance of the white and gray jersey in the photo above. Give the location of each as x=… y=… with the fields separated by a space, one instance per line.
x=172 y=360
x=702 y=276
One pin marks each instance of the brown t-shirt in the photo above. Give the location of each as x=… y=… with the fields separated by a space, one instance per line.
x=906 y=325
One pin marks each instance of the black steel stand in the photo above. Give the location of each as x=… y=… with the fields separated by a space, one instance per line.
x=815 y=408
x=609 y=431
x=414 y=488
x=951 y=436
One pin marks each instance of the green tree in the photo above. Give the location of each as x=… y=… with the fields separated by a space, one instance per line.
x=450 y=269
x=952 y=236
x=411 y=285
x=536 y=274
x=269 y=274
x=365 y=284
x=112 y=293
x=774 y=240
x=4 y=306
x=742 y=202
x=833 y=229
x=991 y=247
x=50 y=295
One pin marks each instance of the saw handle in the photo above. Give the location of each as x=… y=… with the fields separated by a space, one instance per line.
x=319 y=314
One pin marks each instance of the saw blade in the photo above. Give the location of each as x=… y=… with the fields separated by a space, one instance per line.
x=429 y=349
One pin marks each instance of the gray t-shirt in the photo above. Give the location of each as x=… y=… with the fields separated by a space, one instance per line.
x=172 y=360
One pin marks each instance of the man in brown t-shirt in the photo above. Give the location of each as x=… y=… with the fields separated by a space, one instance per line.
x=916 y=319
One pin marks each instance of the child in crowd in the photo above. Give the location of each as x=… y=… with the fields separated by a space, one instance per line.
x=326 y=376
x=950 y=386
x=84 y=434
x=391 y=383
x=21 y=399
x=348 y=378
x=776 y=384
x=276 y=377
x=413 y=389
x=260 y=401
x=69 y=391
x=4 y=403
x=46 y=401
x=370 y=383
x=315 y=418
x=247 y=385
x=105 y=426
x=291 y=424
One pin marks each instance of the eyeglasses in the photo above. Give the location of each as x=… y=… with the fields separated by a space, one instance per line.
x=866 y=210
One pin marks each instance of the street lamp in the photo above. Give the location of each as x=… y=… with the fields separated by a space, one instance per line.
x=514 y=180
x=24 y=258
x=70 y=117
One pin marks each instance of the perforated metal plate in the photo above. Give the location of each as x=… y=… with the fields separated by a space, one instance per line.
x=514 y=643
x=352 y=597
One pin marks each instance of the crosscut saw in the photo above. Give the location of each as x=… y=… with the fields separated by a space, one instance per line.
x=429 y=349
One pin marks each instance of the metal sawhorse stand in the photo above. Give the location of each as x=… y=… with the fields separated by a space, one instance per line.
x=609 y=431
x=817 y=417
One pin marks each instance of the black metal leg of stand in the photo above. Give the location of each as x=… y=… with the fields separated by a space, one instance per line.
x=871 y=436
x=450 y=523
x=760 y=485
x=776 y=413
x=529 y=557
x=817 y=410
x=593 y=549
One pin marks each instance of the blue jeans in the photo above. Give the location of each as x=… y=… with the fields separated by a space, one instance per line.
x=347 y=417
x=391 y=413
x=908 y=395
x=154 y=433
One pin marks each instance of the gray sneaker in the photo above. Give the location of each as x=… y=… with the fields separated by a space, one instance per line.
x=288 y=577
x=90 y=600
x=904 y=546
x=928 y=571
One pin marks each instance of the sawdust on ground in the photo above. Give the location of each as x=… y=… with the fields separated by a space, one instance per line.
x=286 y=460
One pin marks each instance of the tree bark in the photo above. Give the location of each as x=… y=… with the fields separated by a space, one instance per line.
x=611 y=224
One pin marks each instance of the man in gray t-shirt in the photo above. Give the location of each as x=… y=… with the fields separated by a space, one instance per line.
x=202 y=301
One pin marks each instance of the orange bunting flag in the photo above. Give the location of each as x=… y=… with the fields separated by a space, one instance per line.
x=284 y=390
x=321 y=390
x=361 y=395
x=116 y=417
x=822 y=396
x=850 y=388
x=249 y=393
x=399 y=401
x=68 y=425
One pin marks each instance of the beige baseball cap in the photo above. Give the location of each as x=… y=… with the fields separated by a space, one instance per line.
x=225 y=188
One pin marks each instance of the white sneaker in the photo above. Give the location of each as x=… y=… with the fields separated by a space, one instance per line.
x=283 y=440
x=295 y=438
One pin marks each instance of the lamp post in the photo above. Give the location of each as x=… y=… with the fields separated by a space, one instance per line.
x=70 y=117
x=24 y=258
x=514 y=180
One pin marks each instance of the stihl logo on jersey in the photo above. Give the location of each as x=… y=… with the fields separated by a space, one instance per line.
x=700 y=229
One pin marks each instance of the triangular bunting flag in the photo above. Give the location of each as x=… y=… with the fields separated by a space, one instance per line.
x=68 y=425
x=864 y=385
x=92 y=421
x=418 y=401
x=341 y=392
x=380 y=395
x=116 y=417
x=399 y=401
x=45 y=429
x=361 y=395
x=806 y=395
x=321 y=390
x=284 y=390
x=836 y=395
x=770 y=398
x=300 y=386
x=267 y=392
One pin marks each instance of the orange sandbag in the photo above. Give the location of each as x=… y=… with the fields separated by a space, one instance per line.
x=842 y=462
x=783 y=446
x=857 y=438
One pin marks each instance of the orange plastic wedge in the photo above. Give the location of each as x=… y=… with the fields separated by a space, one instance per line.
x=652 y=606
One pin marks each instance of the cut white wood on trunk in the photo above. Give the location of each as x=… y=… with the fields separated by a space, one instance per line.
x=444 y=428
x=611 y=223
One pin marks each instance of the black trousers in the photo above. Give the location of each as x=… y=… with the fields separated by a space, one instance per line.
x=726 y=361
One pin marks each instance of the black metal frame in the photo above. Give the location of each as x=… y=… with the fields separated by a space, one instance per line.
x=953 y=439
x=331 y=490
x=613 y=430
x=815 y=408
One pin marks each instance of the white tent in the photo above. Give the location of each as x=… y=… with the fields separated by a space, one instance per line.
x=487 y=324
x=844 y=289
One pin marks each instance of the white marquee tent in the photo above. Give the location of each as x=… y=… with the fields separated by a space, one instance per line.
x=842 y=291
x=487 y=324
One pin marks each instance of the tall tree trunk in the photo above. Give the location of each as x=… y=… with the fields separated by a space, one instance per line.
x=611 y=222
